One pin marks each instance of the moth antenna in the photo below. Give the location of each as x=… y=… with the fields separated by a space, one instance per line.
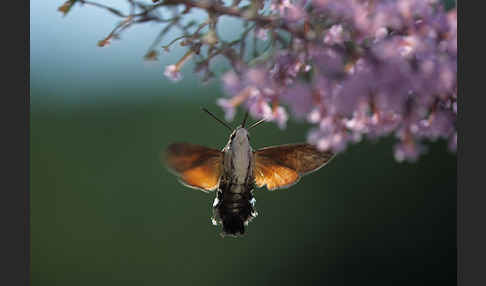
x=217 y=119
x=244 y=120
x=257 y=123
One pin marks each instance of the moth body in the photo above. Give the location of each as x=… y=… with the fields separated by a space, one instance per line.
x=238 y=157
x=233 y=206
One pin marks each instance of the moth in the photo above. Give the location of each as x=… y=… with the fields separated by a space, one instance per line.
x=237 y=169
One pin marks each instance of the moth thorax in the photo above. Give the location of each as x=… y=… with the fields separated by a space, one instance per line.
x=240 y=156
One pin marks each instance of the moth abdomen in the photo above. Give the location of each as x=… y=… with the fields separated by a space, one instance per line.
x=233 y=225
x=233 y=208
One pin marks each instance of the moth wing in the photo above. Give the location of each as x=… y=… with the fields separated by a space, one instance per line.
x=196 y=166
x=274 y=176
x=282 y=166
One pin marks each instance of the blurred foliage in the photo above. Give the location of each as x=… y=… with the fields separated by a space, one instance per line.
x=104 y=211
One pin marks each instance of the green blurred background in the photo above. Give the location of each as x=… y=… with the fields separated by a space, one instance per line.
x=104 y=211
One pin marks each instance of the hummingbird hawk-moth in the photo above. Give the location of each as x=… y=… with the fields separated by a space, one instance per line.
x=237 y=169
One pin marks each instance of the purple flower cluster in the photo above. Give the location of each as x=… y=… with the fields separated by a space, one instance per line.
x=357 y=69
x=354 y=69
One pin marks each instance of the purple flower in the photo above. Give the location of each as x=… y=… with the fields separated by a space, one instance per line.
x=229 y=105
x=339 y=9
x=314 y=116
x=259 y=108
x=437 y=125
x=231 y=82
x=327 y=61
x=228 y=108
x=256 y=77
x=452 y=33
x=300 y=99
x=336 y=35
x=380 y=34
x=261 y=34
x=172 y=73
x=286 y=67
x=289 y=11
x=281 y=117
x=409 y=151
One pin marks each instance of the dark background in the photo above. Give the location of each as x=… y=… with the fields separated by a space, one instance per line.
x=104 y=211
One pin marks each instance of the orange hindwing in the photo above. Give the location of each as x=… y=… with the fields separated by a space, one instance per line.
x=282 y=166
